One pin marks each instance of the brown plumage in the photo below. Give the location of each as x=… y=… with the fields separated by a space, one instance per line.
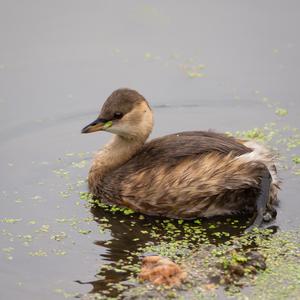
x=182 y=175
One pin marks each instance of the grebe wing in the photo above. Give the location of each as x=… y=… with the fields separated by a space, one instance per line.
x=183 y=144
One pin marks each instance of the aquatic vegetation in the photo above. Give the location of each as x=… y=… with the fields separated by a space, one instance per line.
x=8 y=252
x=150 y=56
x=296 y=159
x=264 y=134
x=10 y=220
x=26 y=239
x=281 y=279
x=39 y=252
x=208 y=262
x=43 y=228
x=234 y=265
x=61 y=172
x=59 y=252
x=66 y=295
x=281 y=112
x=82 y=231
x=59 y=236
x=193 y=71
x=81 y=164
x=111 y=208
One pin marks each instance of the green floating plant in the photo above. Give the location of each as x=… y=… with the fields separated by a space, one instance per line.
x=296 y=159
x=281 y=112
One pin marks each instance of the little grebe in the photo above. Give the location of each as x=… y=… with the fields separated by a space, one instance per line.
x=183 y=175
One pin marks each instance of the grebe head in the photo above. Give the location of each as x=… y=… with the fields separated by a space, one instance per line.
x=125 y=113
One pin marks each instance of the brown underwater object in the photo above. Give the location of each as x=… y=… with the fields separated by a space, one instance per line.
x=182 y=175
x=159 y=270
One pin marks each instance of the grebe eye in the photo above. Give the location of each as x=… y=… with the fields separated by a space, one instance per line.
x=118 y=115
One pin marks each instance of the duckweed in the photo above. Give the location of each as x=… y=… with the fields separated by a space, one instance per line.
x=59 y=252
x=40 y=253
x=296 y=159
x=80 y=165
x=256 y=133
x=43 y=228
x=281 y=112
x=82 y=231
x=59 y=236
x=10 y=220
x=232 y=264
x=8 y=252
x=61 y=173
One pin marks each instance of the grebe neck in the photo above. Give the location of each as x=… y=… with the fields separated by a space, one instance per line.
x=117 y=152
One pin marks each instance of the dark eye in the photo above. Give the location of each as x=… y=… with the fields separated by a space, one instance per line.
x=118 y=115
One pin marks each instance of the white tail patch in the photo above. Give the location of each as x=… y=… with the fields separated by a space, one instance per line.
x=264 y=155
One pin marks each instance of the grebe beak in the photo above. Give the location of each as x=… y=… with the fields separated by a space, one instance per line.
x=97 y=125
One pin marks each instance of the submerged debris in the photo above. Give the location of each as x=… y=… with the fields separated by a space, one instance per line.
x=234 y=265
x=160 y=270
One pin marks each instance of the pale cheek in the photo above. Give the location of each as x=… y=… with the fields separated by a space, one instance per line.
x=119 y=129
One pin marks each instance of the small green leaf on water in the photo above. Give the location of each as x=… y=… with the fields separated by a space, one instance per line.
x=119 y=270
x=281 y=112
x=61 y=172
x=59 y=252
x=43 y=228
x=195 y=74
x=296 y=159
x=81 y=164
x=10 y=220
x=8 y=249
x=255 y=133
x=65 y=294
x=82 y=231
x=70 y=154
x=217 y=234
x=59 y=236
x=26 y=238
x=147 y=55
x=128 y=211
x=38 y=253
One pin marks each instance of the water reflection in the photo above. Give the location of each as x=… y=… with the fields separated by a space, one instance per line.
x=131 y=233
